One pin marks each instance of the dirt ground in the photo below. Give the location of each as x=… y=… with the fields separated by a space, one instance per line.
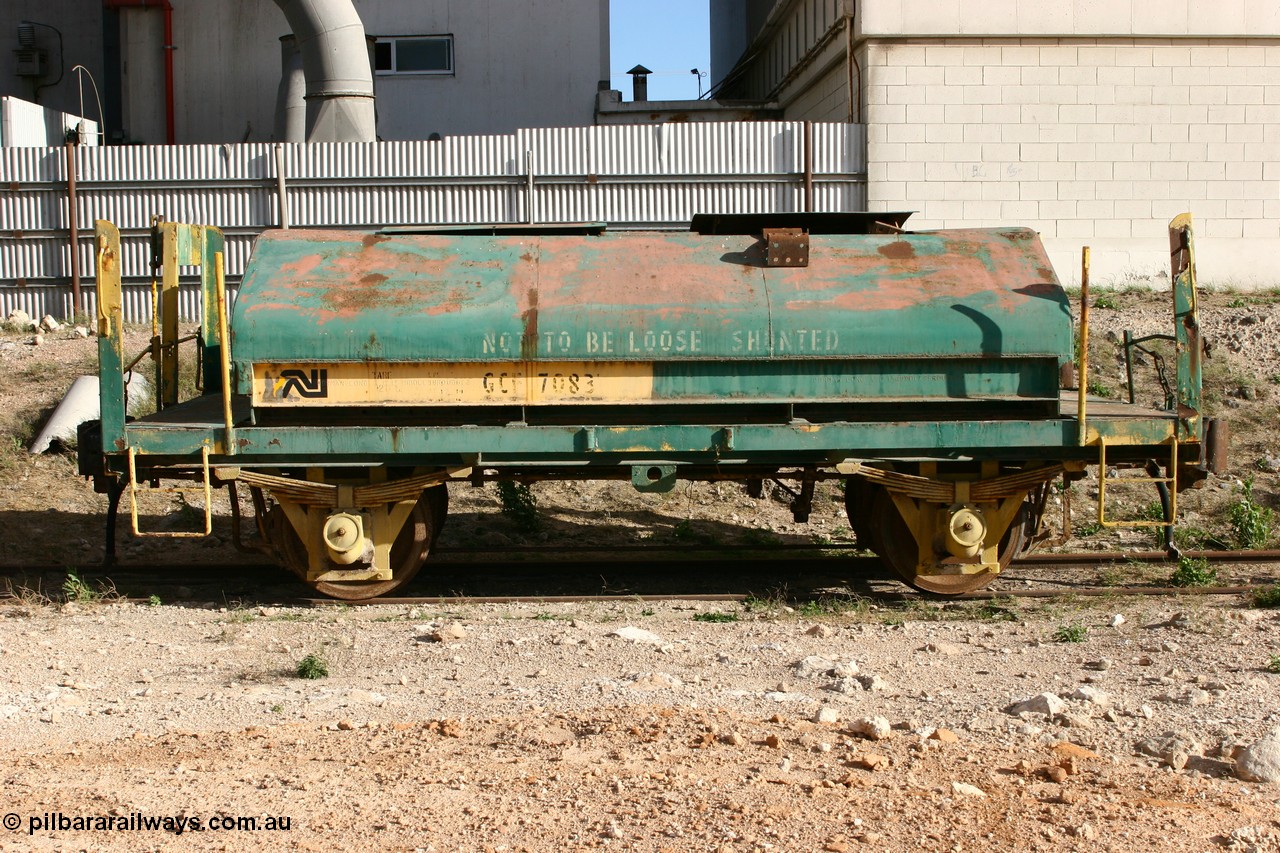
x=837 y=724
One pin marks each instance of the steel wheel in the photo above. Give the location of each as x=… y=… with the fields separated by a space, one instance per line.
x=895 y=545
x=438 y=499
x=859 y=499
x=408 y=554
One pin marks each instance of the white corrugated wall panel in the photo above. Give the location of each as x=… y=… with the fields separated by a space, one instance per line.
x=55 y=300
x=706 y=148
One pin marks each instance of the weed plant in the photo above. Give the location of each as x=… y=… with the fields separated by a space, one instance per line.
x=1188 y=537
x=12 y=456
x=24 y=596
x=1098 y=388
x=771 y=602
x=1153 y=511
x=313 y=667
x=1252 y=525
x=519 y=504
x=833 y=605
x=1112 y=575
x=544 y=616
x=715 y=617
x=1194 y=572
x=685 y=531
x=1075 y=633
x=1268 y=596
x=1001 y=609
x=756 y=536
x=1273 y=665
x=76 y=589
x=1089 y=529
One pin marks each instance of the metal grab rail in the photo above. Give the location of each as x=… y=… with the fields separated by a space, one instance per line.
x=174 y=245
x=1184 y=400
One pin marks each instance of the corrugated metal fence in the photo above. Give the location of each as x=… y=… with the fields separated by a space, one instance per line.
x=629 y=176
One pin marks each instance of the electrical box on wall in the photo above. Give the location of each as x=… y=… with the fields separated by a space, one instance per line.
x=32 y=62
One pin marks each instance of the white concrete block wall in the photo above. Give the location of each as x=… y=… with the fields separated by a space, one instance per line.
x=826 y=99
x=1124 y=18
x=1097 y=141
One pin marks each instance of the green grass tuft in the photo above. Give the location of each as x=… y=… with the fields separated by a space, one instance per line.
x=1075 y=633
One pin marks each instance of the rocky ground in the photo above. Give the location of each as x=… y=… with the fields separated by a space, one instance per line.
x=1074 y=724
x=642 y=727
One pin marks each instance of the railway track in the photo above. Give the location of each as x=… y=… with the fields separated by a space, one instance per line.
x=790 y=573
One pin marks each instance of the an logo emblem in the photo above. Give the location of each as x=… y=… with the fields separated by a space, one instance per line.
x=307 y=386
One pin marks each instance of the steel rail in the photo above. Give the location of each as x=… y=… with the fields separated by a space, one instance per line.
x=904 y=595
x=763 y=554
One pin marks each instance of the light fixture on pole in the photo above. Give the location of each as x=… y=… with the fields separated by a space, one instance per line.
x=700 y=75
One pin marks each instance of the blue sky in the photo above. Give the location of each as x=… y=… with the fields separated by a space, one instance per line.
x=669 y=37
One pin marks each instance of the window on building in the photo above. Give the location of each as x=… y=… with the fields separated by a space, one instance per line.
x=413 y=55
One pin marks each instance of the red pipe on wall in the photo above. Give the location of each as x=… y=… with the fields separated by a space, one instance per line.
x=169 y=48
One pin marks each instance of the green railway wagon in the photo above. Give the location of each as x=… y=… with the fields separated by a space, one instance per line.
x=360 y=371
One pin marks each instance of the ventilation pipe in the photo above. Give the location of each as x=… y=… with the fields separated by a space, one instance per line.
x=339 y=96
x=639 y=83
x=291 y=104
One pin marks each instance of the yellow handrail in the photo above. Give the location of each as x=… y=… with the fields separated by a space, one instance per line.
x=1082 y=371
x=224 y=353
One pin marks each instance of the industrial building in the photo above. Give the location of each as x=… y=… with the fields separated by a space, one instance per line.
x=200 y=71
x=1093 y=122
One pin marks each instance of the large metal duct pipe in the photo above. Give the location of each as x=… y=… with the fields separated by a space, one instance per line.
x=336 y=61
x=291 y=103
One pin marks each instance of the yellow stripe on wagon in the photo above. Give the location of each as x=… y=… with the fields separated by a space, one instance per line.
x=452 y=384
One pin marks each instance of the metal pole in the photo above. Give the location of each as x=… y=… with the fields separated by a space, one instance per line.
x=281 y=196
x=848 y=63
x=224 y=354
x=1082 y=384
x=528 y=166
x=808 y=167
x=169 y=47
x=74 y=227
